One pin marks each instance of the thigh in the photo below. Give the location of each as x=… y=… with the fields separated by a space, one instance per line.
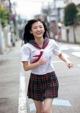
x=48 y=103
x=38 y=105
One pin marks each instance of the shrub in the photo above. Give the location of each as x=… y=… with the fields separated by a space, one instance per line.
x=4 y=16
x=70 y=13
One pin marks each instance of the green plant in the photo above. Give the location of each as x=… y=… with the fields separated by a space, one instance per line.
x=4 y=16
x=70 y=13
x=78 y=14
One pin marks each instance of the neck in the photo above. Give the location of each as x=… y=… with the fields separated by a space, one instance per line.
x=39 y=41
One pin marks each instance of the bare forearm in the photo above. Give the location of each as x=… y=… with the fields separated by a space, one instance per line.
x=63 y=58
x=27 y=66
x=30 y=66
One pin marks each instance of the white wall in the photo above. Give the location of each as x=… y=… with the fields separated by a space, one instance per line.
x=71 y=35
x=76 y=1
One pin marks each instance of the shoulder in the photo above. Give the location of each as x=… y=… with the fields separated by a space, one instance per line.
x=27 y=45
x=52 y=42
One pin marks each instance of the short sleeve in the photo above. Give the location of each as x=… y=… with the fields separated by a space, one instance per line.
x=25 y=53
x=56 y=49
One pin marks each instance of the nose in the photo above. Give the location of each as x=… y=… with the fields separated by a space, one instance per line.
x=38 y=28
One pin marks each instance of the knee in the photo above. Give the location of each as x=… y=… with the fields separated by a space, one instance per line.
x=39 y=111
x=46 y=110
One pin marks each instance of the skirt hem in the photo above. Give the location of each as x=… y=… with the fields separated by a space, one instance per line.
x=43 y=98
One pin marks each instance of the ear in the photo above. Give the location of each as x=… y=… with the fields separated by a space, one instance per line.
x=31 y=32
x=44 y=30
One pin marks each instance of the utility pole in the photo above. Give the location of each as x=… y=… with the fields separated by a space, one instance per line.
x=55 y=20
x=0 y=38
x=54 y=2
x=11 y=24
x=2 y=43
x=0 y=34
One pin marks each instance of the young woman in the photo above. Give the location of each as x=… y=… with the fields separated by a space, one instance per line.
x=36 y=54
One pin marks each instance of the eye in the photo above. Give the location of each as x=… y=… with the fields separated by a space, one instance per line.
x=35 y=27
x=40 y=26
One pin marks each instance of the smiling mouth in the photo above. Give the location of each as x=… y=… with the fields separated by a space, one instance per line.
x=39 y=33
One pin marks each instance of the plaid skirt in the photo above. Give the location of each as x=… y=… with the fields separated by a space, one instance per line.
x=43 y=86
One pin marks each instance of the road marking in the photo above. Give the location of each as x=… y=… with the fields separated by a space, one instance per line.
x=56 y=61
x=68 y=47
x=78 y=65
x=57 y=102
x=22 y=95
x=76 y=54
x=64 y=48
x=65 y=55
x=75 y=48
x=60 y=102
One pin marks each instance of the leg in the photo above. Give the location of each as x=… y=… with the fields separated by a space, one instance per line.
x=39 y=106
x=47 y=105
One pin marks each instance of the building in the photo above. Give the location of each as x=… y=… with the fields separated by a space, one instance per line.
x=74 y=1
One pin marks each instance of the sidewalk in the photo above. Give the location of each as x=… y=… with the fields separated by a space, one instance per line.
x=11 y=49
x=9 y=80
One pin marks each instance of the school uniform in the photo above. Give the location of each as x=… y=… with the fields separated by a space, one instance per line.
x=43 y=81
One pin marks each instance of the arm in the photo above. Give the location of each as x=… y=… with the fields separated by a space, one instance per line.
x=27 y=66
x=57 y=51
x=63 y=58
x=25 y=57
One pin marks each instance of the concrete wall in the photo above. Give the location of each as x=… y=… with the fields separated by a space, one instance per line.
x=77 y=32
x=7 y=36
x=64 y=34
x=5 y=39
x=2 y=41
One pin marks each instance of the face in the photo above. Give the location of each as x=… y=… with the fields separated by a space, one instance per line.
x=37 y=30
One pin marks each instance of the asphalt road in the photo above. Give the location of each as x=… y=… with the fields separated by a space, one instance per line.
x=13 y=82
x=9 y=81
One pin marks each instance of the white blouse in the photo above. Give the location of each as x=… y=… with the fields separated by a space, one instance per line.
x=28 y=51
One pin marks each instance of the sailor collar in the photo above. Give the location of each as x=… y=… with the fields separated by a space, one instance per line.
x=45 y=43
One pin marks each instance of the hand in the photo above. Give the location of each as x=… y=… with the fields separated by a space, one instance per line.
x=69 y=64
x=42 y=61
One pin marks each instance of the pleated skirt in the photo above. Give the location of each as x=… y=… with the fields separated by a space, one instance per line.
x=41 y=87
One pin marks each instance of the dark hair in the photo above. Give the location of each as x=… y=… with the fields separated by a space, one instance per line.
x=27 y=36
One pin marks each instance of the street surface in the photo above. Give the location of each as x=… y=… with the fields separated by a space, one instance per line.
x=14 y=81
